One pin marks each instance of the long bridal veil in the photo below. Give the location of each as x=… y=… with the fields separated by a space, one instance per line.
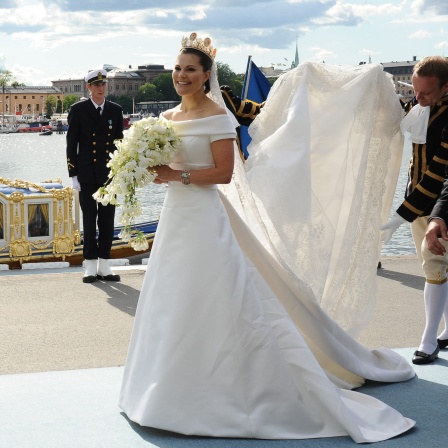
x=323 y=167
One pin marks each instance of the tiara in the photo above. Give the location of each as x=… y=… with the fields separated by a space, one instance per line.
x=203 y=45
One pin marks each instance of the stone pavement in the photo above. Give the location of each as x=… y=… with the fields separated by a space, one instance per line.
x=63 y=344
x=53 y=321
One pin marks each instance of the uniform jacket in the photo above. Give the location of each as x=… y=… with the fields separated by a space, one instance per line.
x=427 y=167
x=440 y=210
x=245 y=112
x=90 y=140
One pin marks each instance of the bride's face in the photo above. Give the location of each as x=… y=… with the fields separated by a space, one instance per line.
x=189 y=75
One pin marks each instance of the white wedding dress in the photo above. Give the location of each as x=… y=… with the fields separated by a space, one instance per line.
x=225 y=344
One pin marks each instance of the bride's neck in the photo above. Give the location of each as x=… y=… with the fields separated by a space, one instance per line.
x=193 y=103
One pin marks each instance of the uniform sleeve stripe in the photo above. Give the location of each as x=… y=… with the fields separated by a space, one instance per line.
x=442 y=161
x=413 y=209
x=434 y=176
x=426 y=192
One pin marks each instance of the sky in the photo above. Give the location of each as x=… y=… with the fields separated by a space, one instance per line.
x=43 y=41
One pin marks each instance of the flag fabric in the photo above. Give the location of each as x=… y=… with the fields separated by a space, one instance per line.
x=255 y=88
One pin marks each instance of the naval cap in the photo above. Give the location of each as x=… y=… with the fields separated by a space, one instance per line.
x=96 y=76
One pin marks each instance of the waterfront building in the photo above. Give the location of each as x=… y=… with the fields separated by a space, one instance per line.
x=26 y=102
x=120 y=81
x=155 y=108
x=401 y=72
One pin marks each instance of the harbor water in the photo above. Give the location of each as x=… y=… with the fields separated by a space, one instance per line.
x=37 y=158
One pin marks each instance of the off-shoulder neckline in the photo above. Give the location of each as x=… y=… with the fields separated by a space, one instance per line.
x=195 y=119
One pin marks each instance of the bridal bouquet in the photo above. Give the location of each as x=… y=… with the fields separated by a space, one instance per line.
x=148 y=143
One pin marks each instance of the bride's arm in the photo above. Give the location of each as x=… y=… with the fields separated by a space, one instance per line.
x=221 y=173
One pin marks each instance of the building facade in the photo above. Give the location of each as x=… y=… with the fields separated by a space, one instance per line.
x=402 y=76
x=155 y=108
x=120 y=81
x=28 y=101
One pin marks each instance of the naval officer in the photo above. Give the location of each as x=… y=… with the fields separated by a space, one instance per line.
x=93 y=125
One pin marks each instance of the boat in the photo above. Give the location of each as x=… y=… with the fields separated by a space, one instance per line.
x=46 y=132
x=7 y=128
x=130 y=119
x=34 y=126
x=40 y=223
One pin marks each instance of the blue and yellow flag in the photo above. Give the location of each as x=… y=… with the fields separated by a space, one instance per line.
x=255 y=88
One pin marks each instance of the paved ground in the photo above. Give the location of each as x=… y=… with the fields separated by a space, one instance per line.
x=63 y=344
x=53 y=321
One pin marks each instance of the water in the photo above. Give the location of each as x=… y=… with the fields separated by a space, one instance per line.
x=401 y=242
x=37 y=158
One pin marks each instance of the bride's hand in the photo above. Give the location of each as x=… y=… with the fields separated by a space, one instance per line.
x=164 y=174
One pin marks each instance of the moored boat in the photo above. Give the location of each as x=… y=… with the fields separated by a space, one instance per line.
x=7 y=128
x=34 y=126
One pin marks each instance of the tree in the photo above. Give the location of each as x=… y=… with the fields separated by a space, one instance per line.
x=148 y=92
x=125 y=101
x=5 y=78
x=164 y=85
x=59 y=107
x=50 y=105
x=69 y=100
x=227 y=77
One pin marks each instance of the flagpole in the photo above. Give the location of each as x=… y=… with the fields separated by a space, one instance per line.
x=247 y=78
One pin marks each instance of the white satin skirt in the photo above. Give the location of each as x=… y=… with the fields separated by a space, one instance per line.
x=215 y=353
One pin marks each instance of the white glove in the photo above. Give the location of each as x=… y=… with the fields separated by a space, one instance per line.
x=391 y=226
x=76 y=185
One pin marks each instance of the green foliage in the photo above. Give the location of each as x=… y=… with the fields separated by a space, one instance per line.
x=165 y=86
x=68 y=101
x=59 y=107
x=6 y=77
x=148 y=92
x=125 y=101
x=51 y=99
x=227 y=77
x=50 y=105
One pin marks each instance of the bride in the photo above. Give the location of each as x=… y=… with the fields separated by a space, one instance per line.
x=227 y=340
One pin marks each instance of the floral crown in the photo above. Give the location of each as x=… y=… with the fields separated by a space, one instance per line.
x=203 y=45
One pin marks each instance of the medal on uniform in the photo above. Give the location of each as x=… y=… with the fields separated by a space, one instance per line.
x=110 y=124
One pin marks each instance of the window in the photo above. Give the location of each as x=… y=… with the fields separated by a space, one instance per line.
x=2 y=235
x=32 y=97
x=38 y=220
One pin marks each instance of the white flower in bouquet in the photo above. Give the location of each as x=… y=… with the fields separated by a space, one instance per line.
x=150 y=142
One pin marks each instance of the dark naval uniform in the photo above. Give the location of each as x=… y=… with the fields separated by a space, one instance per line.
x=245 y=112
x=90 y=143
